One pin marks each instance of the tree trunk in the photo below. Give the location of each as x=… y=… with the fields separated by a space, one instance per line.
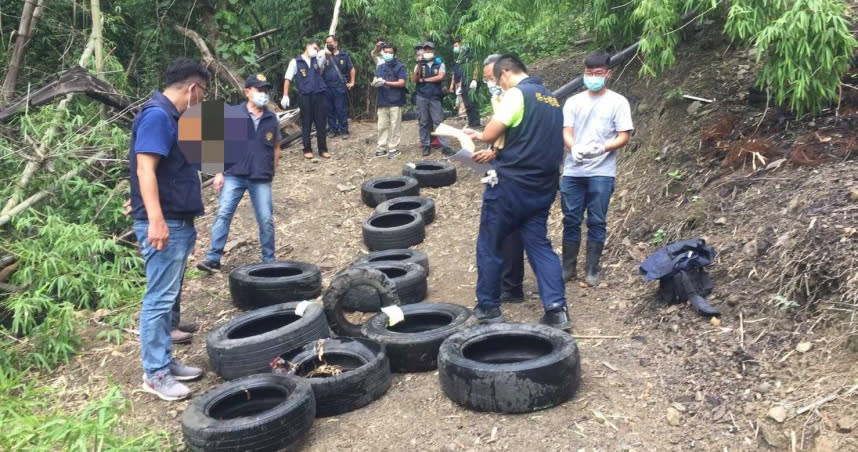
x=97 y=38
x=335 y=20
x=221 y=70
x=29 y=18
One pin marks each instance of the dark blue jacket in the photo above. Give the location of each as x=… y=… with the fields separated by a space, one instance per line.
x=391 y=72
x=308 y=79
x=430 y=90
x=675 y=257
x=341 y=62
x=178 y=180
x=533 y=153
x=256 y=160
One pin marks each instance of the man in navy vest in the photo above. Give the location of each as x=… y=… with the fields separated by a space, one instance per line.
x=390 y=81
x=165 y=199
x=306 y=71
x=429 y=76
x=520 y=190
x=340 y=77
x=463 y=84
x=253 y=171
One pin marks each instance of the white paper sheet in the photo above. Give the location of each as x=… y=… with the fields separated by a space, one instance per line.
x=465 y=157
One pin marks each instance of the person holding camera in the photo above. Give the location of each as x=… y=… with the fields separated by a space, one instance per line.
x=429 y=76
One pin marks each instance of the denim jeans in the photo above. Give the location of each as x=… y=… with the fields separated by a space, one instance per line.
x=164 y=272
x=594 y=194
x=509 y=209
x=231 y=193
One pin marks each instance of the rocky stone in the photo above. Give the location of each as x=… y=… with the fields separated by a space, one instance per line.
x=772 y=435
x=344 y=188
x=733 y=299
x=764 y=387
x=673 y=417
x=803 y=347
x=778 y=413
x=643 y=108
x=694 y=108
x=721 y=221
x=751 y=249
x=846 y=424
x=853 y=194
x=823 y=444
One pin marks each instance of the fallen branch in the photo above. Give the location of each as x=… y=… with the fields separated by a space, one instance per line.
x=7 y=271
x=221 y=70
x=262 y=34
x=825 y=400
x=8 y=288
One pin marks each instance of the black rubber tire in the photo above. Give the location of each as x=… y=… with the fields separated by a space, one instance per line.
x=365 y=378
x=246 y=344
x=412 y=345
x=265 y=284
x=404 y=255
x=393 y=230
x=376 y=191
x=431 y=173
x=348 y=280
x=509 y=367
x=409 y=279
x=264 y=412
x=424 y=206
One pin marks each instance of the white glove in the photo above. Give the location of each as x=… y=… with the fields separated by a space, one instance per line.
x=592 y=151
x=377 y=82
x=284 y=102
x=458 y=91
x=578 y=153
x=473 y=84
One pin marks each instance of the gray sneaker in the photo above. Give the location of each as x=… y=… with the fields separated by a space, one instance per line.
x=393 y=153
x=182 y=372
x=165 y=386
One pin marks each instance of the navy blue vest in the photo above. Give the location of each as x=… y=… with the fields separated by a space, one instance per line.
x=387 y=96
x=309 y=79
x=178 y=180
x=533 y=151
x=429 y=90
x=256 y=161
x=338 y=65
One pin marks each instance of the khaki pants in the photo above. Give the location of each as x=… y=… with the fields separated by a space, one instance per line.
x=389 y=128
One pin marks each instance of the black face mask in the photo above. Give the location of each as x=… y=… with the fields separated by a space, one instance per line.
x=330 y=47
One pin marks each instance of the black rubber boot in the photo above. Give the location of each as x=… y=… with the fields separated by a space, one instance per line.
x=570 y=260
x=557 y=318
x=594 y=253
x=697 y=301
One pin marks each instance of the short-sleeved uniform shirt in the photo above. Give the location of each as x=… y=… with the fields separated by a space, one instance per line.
x=159 y=133
x=292 y=69
x=596 y=119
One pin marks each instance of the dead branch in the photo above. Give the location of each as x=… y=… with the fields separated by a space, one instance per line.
x=262 y=34
x=221 y=70
x=8 y=288
x=30 y=15
x=6 y=273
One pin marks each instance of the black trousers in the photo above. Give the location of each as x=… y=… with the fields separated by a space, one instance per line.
x=512 y=251
x=471 y=107
x=313 y=112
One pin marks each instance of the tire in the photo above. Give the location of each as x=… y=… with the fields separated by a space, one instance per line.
x=509 y=367
x=265 y=284
x=365 y=378
x=392 y=230
x=376 y=191
x=264 y=412
x=246 y=344
x=431 y=173
x=412 y=345
x=424 y=206
x=404 y=255
x=348 y=280
x=409 y=279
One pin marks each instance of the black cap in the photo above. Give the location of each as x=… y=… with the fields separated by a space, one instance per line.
x=257 y=81
x=419 y=45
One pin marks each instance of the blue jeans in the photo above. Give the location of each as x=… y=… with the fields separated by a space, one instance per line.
x=594 y=194
x=509 y=209
x=230 y=195
x=164 y=272
x=338 y=117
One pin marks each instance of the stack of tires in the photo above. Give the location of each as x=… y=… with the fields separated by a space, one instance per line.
x=401 y=214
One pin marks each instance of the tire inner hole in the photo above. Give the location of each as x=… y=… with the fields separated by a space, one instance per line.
x=506 y=349
x=405 y=205
x=391 y=257
x=331 y=364
x=428 y=167
x=391 y=221
x=274 y=272
x=262 y=326
x=246 y=403
x=390 y=184
x=420 y=322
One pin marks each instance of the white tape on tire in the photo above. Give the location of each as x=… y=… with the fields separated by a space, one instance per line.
x=302 y=306
x=394 y=314
x=411 y=165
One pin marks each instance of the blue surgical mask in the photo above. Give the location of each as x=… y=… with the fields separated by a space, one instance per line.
x=594 y=83
x=260 y=99
x=494 y=89
x=455 y=50
x=387 y=57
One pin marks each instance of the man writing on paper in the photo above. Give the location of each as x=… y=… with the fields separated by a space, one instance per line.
x=520 y=196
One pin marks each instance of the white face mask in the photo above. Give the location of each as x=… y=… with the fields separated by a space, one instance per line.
x=260 y=99
x=428 y=55
x=494 y=88
x=312 y=53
